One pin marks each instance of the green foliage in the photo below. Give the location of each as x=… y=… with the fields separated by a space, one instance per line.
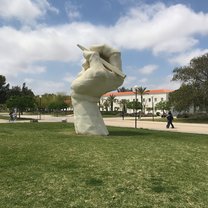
x=142 y=91
x=2 y=80
x=53 y=102
x=124 y=89
x=163 y=105
x=106 y=104
x=22 y=103
x=20 y=91
x=111 y=99
x=48 y=165
x=194 y=78
x=123 y=103
x=21 y=98
x=3 y=107
x=4 y=89
x=134 y=105
x=182 y=98
x=57 y=105
x=26 y=92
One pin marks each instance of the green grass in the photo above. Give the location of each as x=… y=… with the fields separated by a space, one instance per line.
x=47 y=165
x=192 y=120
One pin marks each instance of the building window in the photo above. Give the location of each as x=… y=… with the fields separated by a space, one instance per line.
x=149 y=99
x=162 y=99
x=155 y=99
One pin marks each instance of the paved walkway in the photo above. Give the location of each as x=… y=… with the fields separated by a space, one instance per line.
x=129 y=122
x=156 y=125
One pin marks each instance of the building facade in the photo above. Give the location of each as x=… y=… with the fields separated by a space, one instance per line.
x=150 y=99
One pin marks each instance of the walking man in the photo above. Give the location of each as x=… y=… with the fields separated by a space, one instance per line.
x=169 y=120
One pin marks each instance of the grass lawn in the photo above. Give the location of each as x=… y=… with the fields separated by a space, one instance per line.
x=47 y=165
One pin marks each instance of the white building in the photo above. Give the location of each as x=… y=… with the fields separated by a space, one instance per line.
x=150 y=99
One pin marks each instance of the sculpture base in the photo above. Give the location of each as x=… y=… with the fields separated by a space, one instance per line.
x=87 y=117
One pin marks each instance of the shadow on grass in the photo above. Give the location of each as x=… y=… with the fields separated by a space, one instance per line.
x=94 y=182
x=128 y=132
x=160 y=185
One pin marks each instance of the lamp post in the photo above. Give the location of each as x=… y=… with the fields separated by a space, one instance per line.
x=40 y=107
x=153 y=117
x=135 y=88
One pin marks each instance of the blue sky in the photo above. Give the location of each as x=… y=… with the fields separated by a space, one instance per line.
x=38 y=39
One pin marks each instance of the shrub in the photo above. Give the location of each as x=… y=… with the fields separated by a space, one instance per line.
x=183 y=115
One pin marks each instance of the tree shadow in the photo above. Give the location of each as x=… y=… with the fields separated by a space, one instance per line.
x=129 y=132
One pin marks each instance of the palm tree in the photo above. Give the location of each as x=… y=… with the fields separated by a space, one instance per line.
x=123 y=103
x=123 y=89
x=142 y=91
x=106 y=104
x=111 y=100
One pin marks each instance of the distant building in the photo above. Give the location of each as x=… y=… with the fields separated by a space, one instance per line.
x=150 y=99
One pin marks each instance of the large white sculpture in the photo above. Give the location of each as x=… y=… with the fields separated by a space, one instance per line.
x=101 y=73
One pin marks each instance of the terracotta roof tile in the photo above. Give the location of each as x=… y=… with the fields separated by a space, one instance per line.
x=159 y=91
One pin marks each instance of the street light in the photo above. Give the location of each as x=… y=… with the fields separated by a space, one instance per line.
x=40 y=96
x=135 y=89
x=153 y=117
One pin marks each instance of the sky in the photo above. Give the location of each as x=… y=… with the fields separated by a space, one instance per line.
x=38 y=39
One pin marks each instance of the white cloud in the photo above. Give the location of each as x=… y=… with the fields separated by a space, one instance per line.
x=40 y=87
x=69 y=77
x=13 y=68
x=24 y=48
x=129 y=80
x=45 y=6
x=26 y=11
x=155 y=27
x=143 y=80
x=185 y=58
x=72 y=11
x=149 y=69
x=166 y=83
x=160 y=28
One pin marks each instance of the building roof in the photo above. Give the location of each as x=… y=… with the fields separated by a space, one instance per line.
x=160 y=91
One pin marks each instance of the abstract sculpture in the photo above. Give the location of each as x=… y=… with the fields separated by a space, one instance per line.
x=101 y=73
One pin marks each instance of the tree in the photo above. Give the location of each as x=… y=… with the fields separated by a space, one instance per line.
x=194 y=77
x=134 y=105
x=20 y=91
x=106 y=104
x=111 y=100
x=21 y=98
x=15 y=91
x=123 y=89
x=183 y=98
x=163 y=105
x=4 y=89
x=21 y=103
x=142 y=91
x=26 y=91
x=45 y=100
x=68 y=101
x=57 y=106
x=123 y=104
x=54 y=102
